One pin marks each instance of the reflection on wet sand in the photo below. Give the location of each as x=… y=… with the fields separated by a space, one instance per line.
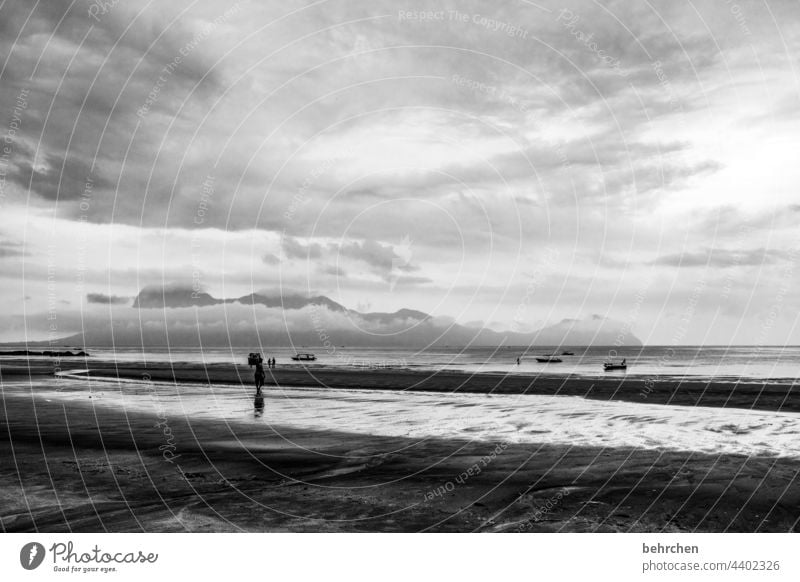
x=93 y=461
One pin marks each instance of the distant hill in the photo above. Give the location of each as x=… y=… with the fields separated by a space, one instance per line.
x=596 y=330
x=187 y=318
x=176 y=297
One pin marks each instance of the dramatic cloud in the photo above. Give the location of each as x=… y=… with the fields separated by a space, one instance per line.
x=58 y=178
x=550 y=155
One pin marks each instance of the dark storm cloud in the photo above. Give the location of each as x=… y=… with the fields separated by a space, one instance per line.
x=85 y=79
x=92 y=99
x=103 y=299
x=154 y=35
x=382 y=258
x=11 y=249
x=270 y=259
x=294 y=249
x=411 y=281
x=60 y=179
x=379 y=258
x=334 y=270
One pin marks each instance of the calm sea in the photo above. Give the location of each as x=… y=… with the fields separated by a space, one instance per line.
x=747 y=362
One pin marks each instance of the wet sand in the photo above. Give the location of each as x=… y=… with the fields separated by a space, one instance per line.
x=76 y=463
x=729 y=393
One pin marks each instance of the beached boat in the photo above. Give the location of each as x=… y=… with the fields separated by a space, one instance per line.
x=307 y=357
x=549 y=360
x=608 y=366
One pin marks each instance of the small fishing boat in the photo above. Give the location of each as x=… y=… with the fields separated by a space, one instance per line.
x=549 y=360
x=306 y=357
x=609 y=366
x=567 y=353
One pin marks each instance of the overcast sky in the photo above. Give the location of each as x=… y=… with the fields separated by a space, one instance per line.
x=513 y=164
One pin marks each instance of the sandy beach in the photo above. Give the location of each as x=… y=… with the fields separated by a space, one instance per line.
x=188 y=448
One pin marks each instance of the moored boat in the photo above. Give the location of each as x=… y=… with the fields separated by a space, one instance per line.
x=549 y=360
x=304 y=357
x=609 y=366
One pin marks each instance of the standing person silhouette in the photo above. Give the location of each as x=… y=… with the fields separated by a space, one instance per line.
x=260 y=376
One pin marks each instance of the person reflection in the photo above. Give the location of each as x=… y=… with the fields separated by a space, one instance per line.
x=258 y=405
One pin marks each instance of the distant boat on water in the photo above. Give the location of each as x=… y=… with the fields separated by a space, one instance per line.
x=549 y=360
x=304 y=357
x=567 y=353
x=609 y=366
